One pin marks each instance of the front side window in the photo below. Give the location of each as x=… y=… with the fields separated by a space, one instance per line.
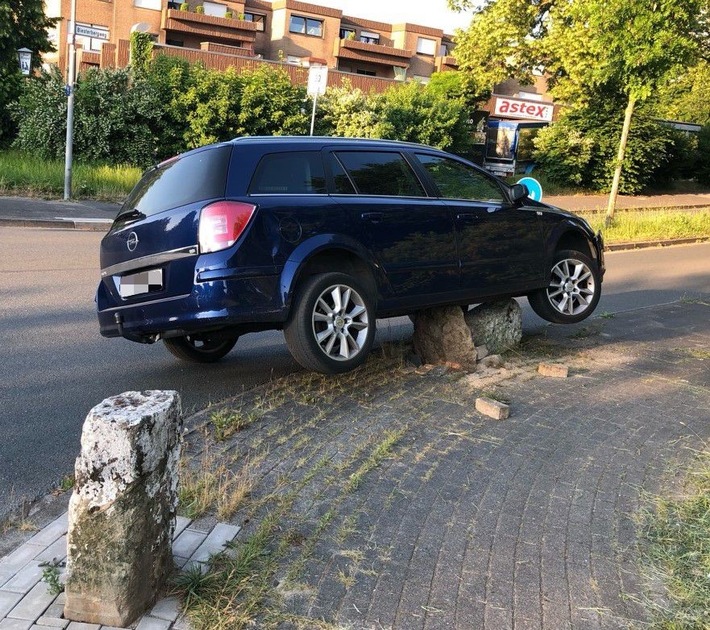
x=306 y=26
x=458 y=181
x=381 y=173
x=294 y=173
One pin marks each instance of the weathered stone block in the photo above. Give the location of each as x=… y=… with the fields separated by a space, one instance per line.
x=441 y=335
x=492 y=408
x=553 y=370
x=497 y=325
x=122 y=512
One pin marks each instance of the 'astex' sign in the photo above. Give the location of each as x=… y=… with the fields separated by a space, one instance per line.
x=517 y=108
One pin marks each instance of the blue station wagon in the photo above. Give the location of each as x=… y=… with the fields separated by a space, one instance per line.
x=322 y=236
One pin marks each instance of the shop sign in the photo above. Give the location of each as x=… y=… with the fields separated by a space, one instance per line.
x=529 y=110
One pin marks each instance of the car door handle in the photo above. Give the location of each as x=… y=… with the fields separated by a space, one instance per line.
x=374 y=217
x=466 y=216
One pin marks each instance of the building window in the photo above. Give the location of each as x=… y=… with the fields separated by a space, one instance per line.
x=215 y=9
x=426 y=46
x=367 y=73
x=259 y=20
x=369 y=38
x=148 y=4
x=294 y=61
x=347 y=33
x=306 y=26
x=175 y=42
x=91 y=37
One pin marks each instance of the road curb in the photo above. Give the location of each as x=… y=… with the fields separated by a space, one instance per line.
x=663 y=243
x=57 y=224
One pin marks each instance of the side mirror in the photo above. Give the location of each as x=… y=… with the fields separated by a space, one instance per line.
x=518 y=192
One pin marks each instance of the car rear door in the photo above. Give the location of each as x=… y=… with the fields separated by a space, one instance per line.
x=410 y=235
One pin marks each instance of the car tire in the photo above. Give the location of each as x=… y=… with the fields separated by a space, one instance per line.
x=574 y=290
x=331 y=326
x=200 y=348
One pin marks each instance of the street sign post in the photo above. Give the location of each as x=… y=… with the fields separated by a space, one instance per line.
x=317 y=83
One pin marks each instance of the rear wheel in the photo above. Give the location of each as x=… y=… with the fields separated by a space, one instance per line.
x=200 y=348
x=574 y=290
x=332 y=324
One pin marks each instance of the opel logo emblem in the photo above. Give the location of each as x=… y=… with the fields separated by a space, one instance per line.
x=132 y=242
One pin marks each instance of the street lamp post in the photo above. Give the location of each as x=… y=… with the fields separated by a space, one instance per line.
x=70 y=101
x=24 y=56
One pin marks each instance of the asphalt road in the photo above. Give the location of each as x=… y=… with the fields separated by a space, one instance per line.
x=55 y=366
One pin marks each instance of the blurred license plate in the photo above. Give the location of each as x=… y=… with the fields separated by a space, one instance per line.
x=143 y=282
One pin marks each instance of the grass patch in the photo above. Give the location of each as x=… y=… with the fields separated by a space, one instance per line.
x=24 y=174
x=652 y=225
x=678 y=552
x=213 y=487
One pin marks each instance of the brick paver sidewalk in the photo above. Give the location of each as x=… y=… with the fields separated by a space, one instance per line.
x=467 y=522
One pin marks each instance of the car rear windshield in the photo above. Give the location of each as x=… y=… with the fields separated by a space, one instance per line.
x=194 y=177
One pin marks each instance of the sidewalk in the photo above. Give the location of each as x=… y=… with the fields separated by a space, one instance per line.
x=467 y=522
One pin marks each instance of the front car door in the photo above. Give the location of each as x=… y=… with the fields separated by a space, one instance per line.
x=410 y=235
x=499 y=245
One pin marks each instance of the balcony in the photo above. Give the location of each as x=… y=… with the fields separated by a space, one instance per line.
x=209 y=27
x=446 y=63
x=372 y=53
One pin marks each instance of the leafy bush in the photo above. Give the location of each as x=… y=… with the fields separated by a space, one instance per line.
x=580 y=149
x=408 y=111
x=40 y=114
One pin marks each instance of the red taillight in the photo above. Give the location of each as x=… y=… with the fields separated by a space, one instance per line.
x=222 y=223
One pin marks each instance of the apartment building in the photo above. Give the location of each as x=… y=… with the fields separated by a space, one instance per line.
x=298 y=33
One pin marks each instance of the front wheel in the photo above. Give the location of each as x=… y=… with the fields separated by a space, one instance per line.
x=332 y=324
x=200 y=348
x=574 y=290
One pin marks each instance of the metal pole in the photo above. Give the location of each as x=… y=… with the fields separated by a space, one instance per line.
x=70 y=101
x=313 y=114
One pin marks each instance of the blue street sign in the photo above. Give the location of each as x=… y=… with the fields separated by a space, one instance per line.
x=533 y=186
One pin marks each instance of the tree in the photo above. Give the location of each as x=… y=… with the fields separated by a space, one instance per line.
x=590 y=49
x=23 y=24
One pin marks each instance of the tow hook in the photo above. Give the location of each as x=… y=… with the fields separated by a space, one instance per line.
x=118 y=318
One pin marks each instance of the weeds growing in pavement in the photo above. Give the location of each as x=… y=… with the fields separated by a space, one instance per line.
x=676 y=546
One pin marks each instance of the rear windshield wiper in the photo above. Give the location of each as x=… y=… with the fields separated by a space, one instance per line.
x=131 y=215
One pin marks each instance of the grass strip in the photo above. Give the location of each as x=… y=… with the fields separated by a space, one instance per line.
x=25 y=175
x=678 y=552
x=652 y=225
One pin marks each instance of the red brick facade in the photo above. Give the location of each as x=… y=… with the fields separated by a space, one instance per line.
x=243 y=33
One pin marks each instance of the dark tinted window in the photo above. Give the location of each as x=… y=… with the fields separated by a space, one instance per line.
x=458 y=181
x=179 y=182
x=343 y=185
x=295 y=173
x=381 y=173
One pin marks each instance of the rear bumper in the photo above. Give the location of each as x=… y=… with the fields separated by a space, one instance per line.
x=249 y=304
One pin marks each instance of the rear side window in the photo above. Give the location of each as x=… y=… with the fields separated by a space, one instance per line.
x=178 y=182
x=294 y=173
x=458 y=181
x=381 y=173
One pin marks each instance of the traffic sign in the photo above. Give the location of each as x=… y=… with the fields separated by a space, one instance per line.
x=534 y=188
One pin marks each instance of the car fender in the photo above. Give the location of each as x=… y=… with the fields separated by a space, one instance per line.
x=308 y=249
x=571 y=228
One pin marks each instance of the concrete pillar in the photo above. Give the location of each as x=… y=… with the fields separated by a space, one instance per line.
x=122 y=512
